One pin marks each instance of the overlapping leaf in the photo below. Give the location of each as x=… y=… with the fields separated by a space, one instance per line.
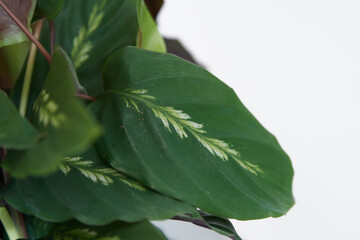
x=12 y=59
x=89 y=30
x=10 y=33
x=148 y=37
x=91 y=191
x=220 y=225
x=48 y=8
x=116 y=231
x=181 y=131
x=64 y=122
x=15 y=131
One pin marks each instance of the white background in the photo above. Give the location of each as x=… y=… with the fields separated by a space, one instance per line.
x=296 y=66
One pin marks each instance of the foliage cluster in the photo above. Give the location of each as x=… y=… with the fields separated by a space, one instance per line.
x=108 y=131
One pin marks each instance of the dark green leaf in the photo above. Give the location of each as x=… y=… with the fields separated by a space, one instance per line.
x=148 y=37
x=67 y=126
x=178 y=129
x=15 y=131
x=116 y=231
x=89 y=30
x=10 y=33
x=220 y=225
x=48 y=8
x=12 y=59
x=91 y=191
x=35 y=227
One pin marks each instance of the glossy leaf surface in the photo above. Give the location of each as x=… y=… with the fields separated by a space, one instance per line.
x=92 y=192
x=10 y=33
x=62 y=119
x=181 y=131
x=148 y=37
x=12 y=125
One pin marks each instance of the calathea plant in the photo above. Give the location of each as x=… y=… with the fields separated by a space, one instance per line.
x=102 y=131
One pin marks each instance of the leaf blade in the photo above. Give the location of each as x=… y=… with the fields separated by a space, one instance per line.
x=214 y=146
x=61 y=117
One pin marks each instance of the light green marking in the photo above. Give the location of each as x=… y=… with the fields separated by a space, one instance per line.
x=182 y=125
x=102 y=175
x=48 y=111
x=81 y=43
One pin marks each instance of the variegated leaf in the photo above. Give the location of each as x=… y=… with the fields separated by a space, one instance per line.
x=67 y=128
x=181 y=131
x=91 y=191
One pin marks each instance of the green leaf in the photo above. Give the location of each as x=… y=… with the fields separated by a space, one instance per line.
x=220 y=225
x=116 y=231
x=89 y=31
x=12 y=59
x=178 y=129
x=48 y=8
x=35 y=227
x=148 y=37
x=67 y=126
x=10 y=33
x=15 y=131
x=91 y=191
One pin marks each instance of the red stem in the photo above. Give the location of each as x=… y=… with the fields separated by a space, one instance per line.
x=84 y=96
x=26 y=31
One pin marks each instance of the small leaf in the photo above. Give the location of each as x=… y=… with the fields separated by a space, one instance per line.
x=181 y=131
x=15 y=131
x=74 y=230
x=63 y=120
x=91 y=191
x=220 y=225
x=48 y=8
x=148 y=37
x=10 y=33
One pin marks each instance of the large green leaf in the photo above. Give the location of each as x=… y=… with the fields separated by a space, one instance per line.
x=148 y=37
x=89 y=31
x=178 y=129
x=15 y=131
x=66 y=125
x=116 y=231
x=91 y=191
x=10 y=33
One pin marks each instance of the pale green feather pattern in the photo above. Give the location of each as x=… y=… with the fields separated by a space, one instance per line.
x=81 y=44
x=48 y=110
x=104 y=176
x=182 y=125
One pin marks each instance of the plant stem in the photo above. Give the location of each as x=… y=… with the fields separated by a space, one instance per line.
x=52 y=35
x=29 y=70
x=8 y=224
x=26 y=31
x=84 y=96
